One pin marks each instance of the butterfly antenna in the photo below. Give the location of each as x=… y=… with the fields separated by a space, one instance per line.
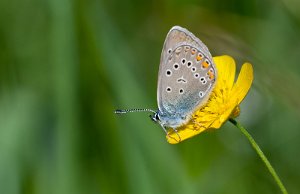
x=134 y=110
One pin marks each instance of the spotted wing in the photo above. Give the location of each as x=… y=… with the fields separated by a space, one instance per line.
x=178 y=35
x=187 y=74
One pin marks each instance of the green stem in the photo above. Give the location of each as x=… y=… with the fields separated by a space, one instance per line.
x=261 y=155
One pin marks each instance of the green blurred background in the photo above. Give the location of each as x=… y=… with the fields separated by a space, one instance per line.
x=66 y=65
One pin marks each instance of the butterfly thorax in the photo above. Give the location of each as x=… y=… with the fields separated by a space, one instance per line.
x=168 y=120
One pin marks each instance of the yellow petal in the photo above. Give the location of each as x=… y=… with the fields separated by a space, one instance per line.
x=185 y=132
x=222 y=104
x=243 y=83
x=225 y=71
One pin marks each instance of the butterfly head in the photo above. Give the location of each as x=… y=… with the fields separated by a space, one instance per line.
x=155 y=117
x=166 y=120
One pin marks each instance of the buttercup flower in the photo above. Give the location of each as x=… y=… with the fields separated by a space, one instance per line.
x=223 y=103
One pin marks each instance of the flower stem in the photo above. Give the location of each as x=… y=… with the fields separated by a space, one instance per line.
x=261 y=155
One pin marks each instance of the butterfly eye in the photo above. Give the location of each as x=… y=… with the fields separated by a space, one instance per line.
x=169 y=51
x=157 y=117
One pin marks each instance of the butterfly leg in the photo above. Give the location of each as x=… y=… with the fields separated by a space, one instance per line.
x=196 y=123
x=175 y=130
x=165 y=130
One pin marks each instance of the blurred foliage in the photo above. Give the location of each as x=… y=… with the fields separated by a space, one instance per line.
x=66 y=65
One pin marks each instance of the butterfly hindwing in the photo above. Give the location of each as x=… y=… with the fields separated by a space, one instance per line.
x=186 y=74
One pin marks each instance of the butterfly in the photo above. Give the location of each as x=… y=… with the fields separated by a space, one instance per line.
x=186 y=78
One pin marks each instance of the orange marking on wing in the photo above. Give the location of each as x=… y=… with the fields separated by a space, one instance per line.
x=205 y=64
x=198 y=58
x=211 y=75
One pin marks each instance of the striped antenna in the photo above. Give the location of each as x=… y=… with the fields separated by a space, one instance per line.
x=134 y=110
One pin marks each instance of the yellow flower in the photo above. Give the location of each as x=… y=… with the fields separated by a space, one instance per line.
x=223 y=102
